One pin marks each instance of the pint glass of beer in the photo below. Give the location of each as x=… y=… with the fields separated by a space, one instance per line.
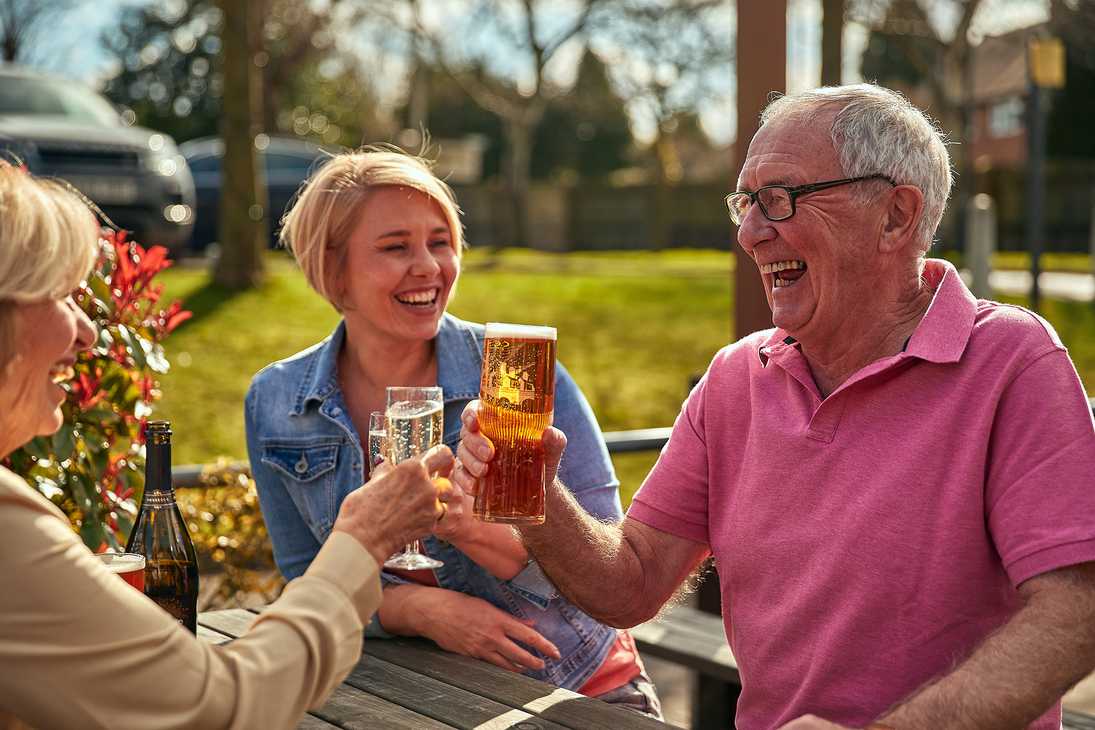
x=517 y=392
x=127 y=566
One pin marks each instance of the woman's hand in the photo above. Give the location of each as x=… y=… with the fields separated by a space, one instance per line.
x=473 y=627
x=476 y=451
x=398 y=504
x=457 y=524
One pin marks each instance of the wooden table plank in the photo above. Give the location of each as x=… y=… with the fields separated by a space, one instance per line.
x=438 y=699
x=353 y=709
x=311 y=722
x=568 y=709
x=213 y=637
x=232 y=621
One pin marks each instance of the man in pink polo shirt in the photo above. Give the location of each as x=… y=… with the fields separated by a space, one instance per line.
x=896 y=482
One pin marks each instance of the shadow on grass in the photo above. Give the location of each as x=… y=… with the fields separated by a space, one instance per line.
x=208 y=299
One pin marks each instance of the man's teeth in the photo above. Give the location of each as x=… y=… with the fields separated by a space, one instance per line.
x=61 y=373
x=778 y=266
x=422 y=297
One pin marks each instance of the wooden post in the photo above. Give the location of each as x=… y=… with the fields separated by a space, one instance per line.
x=762 y=49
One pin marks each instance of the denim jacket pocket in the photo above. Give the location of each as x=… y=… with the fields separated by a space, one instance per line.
x=302 y=463
x=308 y=470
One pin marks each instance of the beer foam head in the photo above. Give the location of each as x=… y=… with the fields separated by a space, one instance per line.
x=121 y=562
x=520 y=331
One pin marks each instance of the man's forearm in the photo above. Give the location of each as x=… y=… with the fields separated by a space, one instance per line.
x=589 y=561
x=1016 y=674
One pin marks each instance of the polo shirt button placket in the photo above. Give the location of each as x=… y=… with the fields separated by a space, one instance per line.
x=826 y=418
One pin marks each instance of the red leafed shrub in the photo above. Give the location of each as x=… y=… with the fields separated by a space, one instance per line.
x=93 y=467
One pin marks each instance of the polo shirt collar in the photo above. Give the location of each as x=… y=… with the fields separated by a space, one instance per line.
x=457 y=346
x=946 y=327
x=943 y=331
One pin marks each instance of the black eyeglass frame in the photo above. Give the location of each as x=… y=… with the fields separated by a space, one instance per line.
x=794 y=192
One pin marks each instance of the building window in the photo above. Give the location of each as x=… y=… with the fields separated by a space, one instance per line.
x=1006 y=117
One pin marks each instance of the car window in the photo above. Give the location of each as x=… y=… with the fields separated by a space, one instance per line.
x=280 y=162
x=205 y=163
x=20 y=96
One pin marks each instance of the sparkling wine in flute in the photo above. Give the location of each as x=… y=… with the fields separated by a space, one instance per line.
x=378 y=438
x=414 y=423
x=414 y=427
x=517 y=393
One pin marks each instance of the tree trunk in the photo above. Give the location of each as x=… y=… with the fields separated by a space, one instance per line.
x=832 y=41
x=243 y=208
x=518 y=172
x=668 y=174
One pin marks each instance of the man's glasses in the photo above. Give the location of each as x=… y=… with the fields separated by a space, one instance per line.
x=777 y=202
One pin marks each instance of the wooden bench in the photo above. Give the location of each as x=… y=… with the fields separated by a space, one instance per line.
x=697 y=640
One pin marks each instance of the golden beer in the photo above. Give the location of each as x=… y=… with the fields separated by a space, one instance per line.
x=517 y=391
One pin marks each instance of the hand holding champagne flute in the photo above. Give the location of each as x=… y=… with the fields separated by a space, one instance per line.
x=414 y=424
x=398 y=503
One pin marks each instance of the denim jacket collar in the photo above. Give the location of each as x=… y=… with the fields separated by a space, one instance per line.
x=458 y=344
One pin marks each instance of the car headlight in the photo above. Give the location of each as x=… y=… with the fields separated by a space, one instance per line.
x=162 y=157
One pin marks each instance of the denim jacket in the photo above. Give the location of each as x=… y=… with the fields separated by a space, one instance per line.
x=306 y=456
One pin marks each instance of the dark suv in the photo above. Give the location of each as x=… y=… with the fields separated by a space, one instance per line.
x=63 y=129
x=286 y=163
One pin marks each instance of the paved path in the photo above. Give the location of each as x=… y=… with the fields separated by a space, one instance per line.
x=1054 y=284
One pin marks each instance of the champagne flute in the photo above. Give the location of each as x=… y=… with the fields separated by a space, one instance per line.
x=414 y=424
x=378 y=438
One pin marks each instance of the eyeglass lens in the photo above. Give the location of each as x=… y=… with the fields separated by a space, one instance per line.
x=775 y=202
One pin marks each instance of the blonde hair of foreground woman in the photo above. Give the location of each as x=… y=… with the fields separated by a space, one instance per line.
x=48 y=244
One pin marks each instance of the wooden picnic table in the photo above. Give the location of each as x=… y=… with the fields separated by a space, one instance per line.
x=414 y=684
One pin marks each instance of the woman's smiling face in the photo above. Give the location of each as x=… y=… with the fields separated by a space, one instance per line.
x=48 y=335
x=401 y=265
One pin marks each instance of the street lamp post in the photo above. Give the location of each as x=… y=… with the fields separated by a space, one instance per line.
x=1046 y=70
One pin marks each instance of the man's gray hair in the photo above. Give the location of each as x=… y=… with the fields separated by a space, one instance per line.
x=877 y=130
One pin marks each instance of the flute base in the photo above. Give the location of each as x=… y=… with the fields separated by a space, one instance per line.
x=412 y=561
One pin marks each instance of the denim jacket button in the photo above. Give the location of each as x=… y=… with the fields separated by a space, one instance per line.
x=301 y=466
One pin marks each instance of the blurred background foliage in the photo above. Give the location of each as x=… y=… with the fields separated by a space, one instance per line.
x=93 y=466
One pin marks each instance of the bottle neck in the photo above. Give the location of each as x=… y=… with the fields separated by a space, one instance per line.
x=158 y=489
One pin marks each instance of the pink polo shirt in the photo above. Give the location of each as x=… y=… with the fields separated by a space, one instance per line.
x=867 y=542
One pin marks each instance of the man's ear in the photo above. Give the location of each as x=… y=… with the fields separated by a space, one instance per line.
x=901 y=218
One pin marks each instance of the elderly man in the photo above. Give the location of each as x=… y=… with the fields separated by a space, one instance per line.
x=896 y=482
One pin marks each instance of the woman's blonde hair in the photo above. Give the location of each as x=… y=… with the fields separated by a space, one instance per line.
x=48 y=244
x=318 y=225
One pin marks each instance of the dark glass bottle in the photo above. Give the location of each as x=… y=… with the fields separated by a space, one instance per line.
x=160 y=534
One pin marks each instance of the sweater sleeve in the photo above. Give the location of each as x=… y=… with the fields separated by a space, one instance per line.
x=81 y=648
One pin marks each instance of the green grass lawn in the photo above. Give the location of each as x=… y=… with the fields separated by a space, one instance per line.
x=1050 y=261
x=633 y=328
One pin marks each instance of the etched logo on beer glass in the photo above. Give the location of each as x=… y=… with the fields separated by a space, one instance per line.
x=517 y=391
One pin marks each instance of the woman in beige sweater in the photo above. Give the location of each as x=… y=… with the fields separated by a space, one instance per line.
x=78 y=647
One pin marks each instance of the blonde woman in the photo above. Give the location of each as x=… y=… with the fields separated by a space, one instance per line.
x=76 y=642
x=379 y=237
